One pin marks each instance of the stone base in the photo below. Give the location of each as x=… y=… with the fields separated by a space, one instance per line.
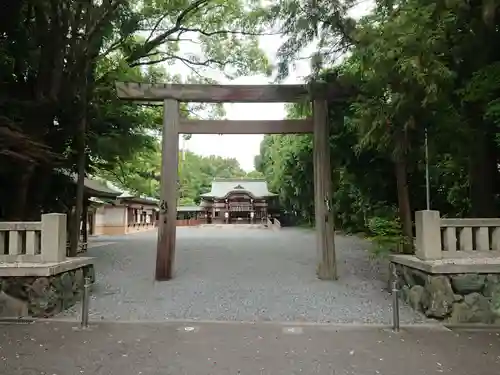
x=232 y=226
x=110 y=230
x=138 y=228
x=471 y=297
x=42 y=296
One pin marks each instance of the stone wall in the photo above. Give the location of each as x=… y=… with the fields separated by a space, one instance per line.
x=454 y=298
x=189 y=222
x=42 y=296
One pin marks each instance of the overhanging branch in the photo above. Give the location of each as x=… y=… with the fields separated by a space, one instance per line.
x=157 y=41
x=167 y=57
x=211 y=33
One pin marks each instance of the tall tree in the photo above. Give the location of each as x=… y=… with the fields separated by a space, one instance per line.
x=414 y=69
x=55 y=57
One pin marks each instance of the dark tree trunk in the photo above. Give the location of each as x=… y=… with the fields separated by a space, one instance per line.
x=87 y=58
x=404 y=203
x=20 y=203
x=70 y=227
x=483 y=171
x=85 y=217
x=401 y=172
x=80 y=186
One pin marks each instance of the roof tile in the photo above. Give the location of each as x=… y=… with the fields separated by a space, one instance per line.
x=255 y=187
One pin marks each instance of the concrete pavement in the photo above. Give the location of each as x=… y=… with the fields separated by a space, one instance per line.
x=204 y=348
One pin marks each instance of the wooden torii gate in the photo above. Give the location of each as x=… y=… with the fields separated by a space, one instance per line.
x=173 y=125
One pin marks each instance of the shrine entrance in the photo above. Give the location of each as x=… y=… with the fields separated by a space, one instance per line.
x=173 y=125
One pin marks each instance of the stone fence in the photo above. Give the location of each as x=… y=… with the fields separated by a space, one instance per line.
x=189 y=222
x=36 y=277
x=269 y=223
x=140 y=227
x=441 y=238
x=34 y=242
x=454 y=275
x=273 y=223
x=277 y=224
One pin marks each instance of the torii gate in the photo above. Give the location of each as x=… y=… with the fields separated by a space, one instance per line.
x=173 y=125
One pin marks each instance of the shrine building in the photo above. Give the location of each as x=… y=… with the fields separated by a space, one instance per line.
x=236 y=201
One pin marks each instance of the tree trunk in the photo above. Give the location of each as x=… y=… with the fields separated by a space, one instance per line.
x=482 y=175
x=404 y=203
x=69 y=228
x=80 y=185
x=85 y=214
x=18 y=209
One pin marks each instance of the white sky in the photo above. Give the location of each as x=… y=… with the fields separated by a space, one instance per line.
x=245 y=147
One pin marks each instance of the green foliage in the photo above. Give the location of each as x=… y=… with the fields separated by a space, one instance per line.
x=303 y=22
x=386 y=235
x=197 y=173
x=412 y=67
x=119 y=129
x=58 y=64
x=285 y=161
x=483 y=89
x=211 y=27
x=139 y=173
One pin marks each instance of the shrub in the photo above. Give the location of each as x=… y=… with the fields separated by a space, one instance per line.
x=386 y=234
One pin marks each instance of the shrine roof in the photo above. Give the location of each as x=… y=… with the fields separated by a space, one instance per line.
x=93 y=187
x=223 y=187
x=99 y=189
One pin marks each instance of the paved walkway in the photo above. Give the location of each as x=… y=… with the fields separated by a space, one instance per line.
x=238 y=274
x=246 y=349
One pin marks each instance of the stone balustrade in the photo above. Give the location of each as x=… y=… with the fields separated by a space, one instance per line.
x=140 y=227
x=36 y=277
x=470 y=234
x=277 y=224
x=439 y=238
x=273 y=223
x=34 y=242
x=454 y=275
x=269 y=223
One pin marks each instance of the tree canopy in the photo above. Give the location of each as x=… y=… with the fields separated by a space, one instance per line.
x=139 y=173
x=418 y=67
x=58 y=64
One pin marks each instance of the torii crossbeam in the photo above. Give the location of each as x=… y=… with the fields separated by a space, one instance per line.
x=173 y=125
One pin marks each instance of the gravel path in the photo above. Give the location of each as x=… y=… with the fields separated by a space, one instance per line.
x=240 y=274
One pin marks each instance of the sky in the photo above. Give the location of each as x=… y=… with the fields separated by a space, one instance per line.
x=245 y=147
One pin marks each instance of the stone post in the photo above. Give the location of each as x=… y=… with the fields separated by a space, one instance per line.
x=53 y=247
x=428 y=233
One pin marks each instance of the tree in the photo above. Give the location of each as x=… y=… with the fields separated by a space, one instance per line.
x=254 y=175
x=139 y=173
x=400 y=83
x=57 y=65
x=414 y=69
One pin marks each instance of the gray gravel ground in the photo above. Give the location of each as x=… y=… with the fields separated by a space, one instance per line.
x=239 y=274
